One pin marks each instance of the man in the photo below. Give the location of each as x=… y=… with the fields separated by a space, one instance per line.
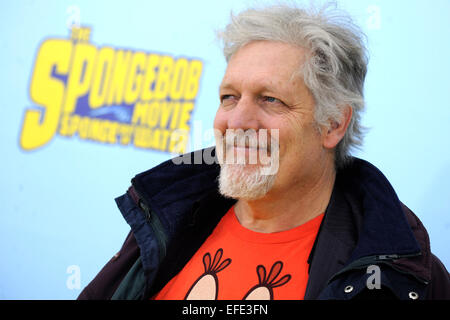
x=322 y=225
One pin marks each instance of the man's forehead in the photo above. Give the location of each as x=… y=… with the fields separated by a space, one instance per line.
x=259 y=83
x=270 y=80
x=265 y=62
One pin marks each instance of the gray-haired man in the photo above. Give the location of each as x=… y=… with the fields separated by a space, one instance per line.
x=324 y=225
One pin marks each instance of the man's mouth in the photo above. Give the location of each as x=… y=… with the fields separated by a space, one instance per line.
x=247 y=148
x=251 y=145
x=246 y=153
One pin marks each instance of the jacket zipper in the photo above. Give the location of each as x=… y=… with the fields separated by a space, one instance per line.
x=156 y=225
x=384 y=258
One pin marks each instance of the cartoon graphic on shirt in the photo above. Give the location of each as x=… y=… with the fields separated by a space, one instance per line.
x=206 y=287
x=264 y=289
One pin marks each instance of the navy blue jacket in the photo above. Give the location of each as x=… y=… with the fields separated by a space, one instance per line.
x=173 y=208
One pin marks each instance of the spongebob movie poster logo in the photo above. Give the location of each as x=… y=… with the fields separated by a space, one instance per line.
x=110 y=95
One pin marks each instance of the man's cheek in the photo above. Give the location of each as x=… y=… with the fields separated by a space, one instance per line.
x=220 y=145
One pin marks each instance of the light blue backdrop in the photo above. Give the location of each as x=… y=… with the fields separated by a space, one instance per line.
x=58 y=219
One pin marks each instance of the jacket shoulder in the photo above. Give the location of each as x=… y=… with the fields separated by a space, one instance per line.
x=439 y=288
x=427 y=265
x=106 y=282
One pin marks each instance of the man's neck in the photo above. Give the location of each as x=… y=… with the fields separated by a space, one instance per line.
x=282 y=210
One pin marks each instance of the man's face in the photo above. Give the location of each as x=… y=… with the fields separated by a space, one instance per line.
x=262 y=89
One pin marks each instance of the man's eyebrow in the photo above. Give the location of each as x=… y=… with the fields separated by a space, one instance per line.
x=259 y=87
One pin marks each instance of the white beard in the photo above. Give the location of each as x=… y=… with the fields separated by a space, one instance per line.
x=240 y=181
x=240 y=177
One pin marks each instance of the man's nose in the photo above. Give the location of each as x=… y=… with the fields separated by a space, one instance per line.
x=245 y=115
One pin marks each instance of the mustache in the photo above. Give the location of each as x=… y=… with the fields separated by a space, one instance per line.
x=262 y=148
x=250 y=139
x=246 y=144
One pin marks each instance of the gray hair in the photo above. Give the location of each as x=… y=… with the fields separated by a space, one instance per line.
x=336 y=65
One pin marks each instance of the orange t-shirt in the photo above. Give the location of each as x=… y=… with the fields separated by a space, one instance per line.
x=235 y=263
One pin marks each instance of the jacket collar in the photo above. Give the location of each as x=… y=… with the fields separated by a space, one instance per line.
x=364 y=218
x=382 y=227
x=173 y=189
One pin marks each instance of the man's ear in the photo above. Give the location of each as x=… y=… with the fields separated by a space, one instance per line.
x=336 y=130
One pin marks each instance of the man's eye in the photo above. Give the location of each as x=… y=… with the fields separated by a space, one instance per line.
x=271 y=100
x=227 y=99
